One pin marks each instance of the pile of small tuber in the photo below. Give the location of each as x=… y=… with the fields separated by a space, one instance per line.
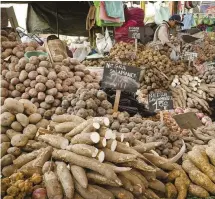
x=197 y=176
x=86 y=103
x=94 y=63
x=208 y=75
x=37 y=80
x=188 y=91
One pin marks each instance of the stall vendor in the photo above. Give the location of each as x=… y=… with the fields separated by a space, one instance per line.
x=162 y=33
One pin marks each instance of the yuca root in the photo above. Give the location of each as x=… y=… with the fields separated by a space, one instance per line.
x=86 y=138
x=85 y=162
x=83 y=149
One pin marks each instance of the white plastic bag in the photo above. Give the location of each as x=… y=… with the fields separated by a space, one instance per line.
x=103 y=43
x=161 y=13
x=80 y=51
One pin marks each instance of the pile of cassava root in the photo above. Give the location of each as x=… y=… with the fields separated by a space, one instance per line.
x=197 y=176
x=76 y=157
x=38 y=80
x=188 y=91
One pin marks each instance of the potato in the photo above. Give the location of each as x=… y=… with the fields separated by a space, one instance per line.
x=45 y=64
x=40 y=87
x=7 y=160
x=30 y=67
x=4 y=138
x=16 y=126
x=9 y=170
x=19 y=140
x=30 y=131
x=29 y=107
x=4 y=148
x=41 y=96
x=34 y=118
x=34 y=60
x=7 y=119
x=50 y=84
x=43 y=71
x=13 y=106
x=42 y=123
x=49 y=99
x=23 y=76
x=4 y=92
x=41 y=79
x=22 y=119
x=52 y=91
x=32 y=75
x=14 y=151
x=52 y=75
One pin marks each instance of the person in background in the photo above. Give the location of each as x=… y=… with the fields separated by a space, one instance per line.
x=162 y=33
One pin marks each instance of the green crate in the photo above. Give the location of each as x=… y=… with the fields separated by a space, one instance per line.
x=35 y=53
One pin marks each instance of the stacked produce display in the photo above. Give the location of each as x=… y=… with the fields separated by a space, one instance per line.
x=60 y=137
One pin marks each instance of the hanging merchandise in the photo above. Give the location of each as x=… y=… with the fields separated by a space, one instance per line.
x=99 y=21
x=188 y=21
x=115 y=9
x=161 y=14
x=136 y=14
x=105 y=17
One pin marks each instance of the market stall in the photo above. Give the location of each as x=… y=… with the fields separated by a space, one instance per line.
x=128 y=123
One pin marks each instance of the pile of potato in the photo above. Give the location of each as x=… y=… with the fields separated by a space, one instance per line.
x=37 y=80
x=80 y=158
x=188 y=91
x=94 y=63
x=197 y=176
x=86 y=103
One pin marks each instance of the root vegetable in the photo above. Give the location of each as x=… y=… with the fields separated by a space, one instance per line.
x=126 y=183
x=171 y=191
x=22 y=119
x=53 y=187
x=15 y=151
x=66 y=180
x=86 y=138
x=54 y=140
x=86 y=163
x=117 y=157
x=198 y=191
x=99 y=179
x=120 y=193
x=101 y=192
x=7 y=160
x=80 y=175
x=83 y=149
x=210 y=150
x=39 y=193
x=4 y=147
x=7 y=119
x=13 y=106
x=65 y=127
x=19 y=140
x=67 y=118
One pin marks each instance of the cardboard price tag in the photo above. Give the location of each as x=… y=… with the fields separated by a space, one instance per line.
x=121 y=77
x=187 y=120
x=134 y=32
x=160 y=101
x=190 y=56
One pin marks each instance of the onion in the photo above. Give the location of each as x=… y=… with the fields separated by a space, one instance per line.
x=39 y=193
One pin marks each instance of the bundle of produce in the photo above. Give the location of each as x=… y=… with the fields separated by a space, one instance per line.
x=86 y=103
x=197 y=178
x=188 y=91
x=100 y=162
x=37 y=80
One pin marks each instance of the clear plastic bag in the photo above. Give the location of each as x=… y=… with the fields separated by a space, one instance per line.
x=103 y=43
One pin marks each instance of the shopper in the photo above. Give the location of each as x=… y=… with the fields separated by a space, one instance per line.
x=162 y=33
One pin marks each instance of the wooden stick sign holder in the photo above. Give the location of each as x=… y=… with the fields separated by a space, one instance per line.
x=134 y=33
x=117 y=99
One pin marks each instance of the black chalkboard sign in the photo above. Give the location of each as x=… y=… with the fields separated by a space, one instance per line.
x=134 y=32
x=160 y=101
x=121 y=77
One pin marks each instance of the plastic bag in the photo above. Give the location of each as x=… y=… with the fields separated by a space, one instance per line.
x=80 y=51
x=103 y=43
x=161 y=13
x=174 y=56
